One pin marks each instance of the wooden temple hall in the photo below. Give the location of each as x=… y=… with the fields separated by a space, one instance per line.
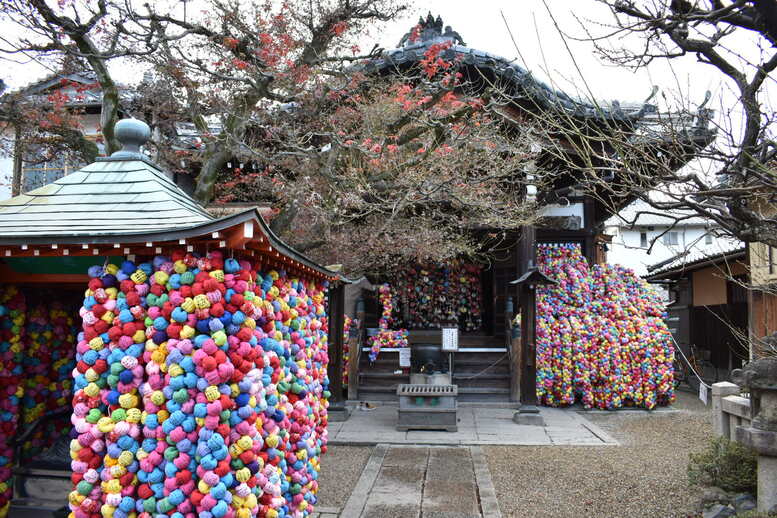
x=479 y=298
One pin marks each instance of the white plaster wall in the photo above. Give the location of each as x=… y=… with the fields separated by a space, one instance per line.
x=626 y=251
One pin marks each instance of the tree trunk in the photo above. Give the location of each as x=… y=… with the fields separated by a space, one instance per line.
x=16 y=182
x=206 y=181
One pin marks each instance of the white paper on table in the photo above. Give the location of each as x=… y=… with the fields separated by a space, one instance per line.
x=404 y=357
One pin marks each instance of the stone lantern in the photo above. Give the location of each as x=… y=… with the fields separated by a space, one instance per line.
x=760 y=377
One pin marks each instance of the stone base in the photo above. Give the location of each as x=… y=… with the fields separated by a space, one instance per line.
x=767 y=483
x=427 y=419
x=529 y=415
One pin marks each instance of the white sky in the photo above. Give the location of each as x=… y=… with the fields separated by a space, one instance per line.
x=540 y=49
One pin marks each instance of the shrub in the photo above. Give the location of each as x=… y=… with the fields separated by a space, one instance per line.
x=725 y=464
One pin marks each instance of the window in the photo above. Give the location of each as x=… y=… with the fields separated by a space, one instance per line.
x=771 y=260
x=643 y=239
x=708 y=239
x=670 y=238
x=43 y=174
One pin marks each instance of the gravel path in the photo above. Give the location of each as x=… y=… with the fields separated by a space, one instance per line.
x=341 y=467
x=644 y=477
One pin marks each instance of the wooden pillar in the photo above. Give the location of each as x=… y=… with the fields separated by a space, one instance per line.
x=513 y=345
x=335 y=340
x=527 y=258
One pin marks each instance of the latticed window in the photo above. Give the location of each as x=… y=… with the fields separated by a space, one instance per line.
x=42 y=174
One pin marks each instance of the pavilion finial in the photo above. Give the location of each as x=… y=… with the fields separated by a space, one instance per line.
x=131 y=133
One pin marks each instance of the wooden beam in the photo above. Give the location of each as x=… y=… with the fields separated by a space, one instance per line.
x=335 y=341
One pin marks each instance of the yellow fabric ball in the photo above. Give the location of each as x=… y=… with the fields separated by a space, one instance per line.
x=212 y=393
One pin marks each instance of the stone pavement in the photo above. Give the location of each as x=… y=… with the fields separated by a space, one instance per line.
x=477 y=425
x=415 y=481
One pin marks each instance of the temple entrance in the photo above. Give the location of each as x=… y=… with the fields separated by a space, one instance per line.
x=422 y=300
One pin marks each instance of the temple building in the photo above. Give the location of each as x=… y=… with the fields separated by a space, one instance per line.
x=479 y=298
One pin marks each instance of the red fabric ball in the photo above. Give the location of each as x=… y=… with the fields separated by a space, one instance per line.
x=133 y=298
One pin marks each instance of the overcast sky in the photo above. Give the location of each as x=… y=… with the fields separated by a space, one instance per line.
x=538 y=47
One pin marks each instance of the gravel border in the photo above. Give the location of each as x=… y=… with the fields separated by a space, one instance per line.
x=644 y=477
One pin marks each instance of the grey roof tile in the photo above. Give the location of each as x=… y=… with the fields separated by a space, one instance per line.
x=110 y=196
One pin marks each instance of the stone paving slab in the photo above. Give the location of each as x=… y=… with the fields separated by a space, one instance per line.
x=429 y=481
x=476 y=426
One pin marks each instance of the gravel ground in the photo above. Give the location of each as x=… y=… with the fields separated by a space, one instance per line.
x=644 y=477
x=341 y=467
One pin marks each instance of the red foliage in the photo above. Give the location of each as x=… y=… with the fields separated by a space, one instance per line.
x=433 y=63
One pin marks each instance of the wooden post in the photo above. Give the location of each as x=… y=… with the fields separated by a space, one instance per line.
x=527 y=257
x=513 y=347
x=337 y=409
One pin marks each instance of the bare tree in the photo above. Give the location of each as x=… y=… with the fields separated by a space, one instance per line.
x=737 y=183
x=237 y=62
x=91 y=32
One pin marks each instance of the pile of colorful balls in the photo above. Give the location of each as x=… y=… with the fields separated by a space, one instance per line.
x=347 y=323
x=438 y=295
x=200 y=390
x=12 y=318
x=385 y=337
x=601 y=337
x=48 y=360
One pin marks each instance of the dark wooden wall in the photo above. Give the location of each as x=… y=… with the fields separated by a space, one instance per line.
x=503 y=270
x=722 y=331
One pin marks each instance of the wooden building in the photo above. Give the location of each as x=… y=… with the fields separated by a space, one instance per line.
x=763 y=295
x=708 y=313
x=125 y=207
x=483 y=368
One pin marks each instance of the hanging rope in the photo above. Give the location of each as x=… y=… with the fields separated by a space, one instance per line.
x=688 y=363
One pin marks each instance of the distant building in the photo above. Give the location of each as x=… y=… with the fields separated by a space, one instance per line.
x=708 y=307
x=642 y=236
x=763 y=292
x=84 y=96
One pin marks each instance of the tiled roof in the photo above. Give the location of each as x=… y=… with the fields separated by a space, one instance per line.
x=640 y=214
x=125 y=199
x=725 y=250
x=110 y=196
x=520 y=84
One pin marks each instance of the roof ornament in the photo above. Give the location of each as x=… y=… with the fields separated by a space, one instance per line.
x=431 y=29
x=132 y=134
x=703 y=114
